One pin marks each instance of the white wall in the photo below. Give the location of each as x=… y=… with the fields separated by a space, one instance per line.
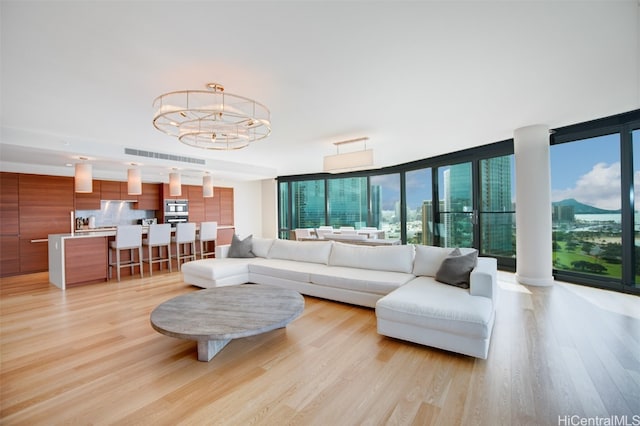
x=255 y=207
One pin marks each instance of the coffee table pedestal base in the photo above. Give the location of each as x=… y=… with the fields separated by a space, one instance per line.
x=207 y=349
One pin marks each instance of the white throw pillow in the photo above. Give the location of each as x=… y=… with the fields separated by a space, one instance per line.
x=428 y=260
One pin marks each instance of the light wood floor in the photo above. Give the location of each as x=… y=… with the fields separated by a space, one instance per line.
x=89 y=356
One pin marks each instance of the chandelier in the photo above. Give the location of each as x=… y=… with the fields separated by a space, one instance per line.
x=211 y=119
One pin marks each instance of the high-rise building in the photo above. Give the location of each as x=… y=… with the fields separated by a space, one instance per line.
x=308 y=204
x=496 y=222
x=348 y=201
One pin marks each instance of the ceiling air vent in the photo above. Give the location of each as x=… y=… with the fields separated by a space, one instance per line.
x=162 y=156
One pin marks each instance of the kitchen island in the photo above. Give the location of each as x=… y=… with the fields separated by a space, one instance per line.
x=82 y=257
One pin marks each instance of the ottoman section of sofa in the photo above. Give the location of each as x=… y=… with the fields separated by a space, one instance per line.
x=434 y=314
x=207 y=273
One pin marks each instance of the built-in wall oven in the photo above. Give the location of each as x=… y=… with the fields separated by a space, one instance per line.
x=176 y=211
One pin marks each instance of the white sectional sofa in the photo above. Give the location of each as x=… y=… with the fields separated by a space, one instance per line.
x=398 y=281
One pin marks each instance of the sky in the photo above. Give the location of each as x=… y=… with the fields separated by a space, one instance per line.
x=588 y=171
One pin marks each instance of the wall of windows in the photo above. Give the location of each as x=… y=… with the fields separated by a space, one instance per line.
x=467 y=198
x=399 y=200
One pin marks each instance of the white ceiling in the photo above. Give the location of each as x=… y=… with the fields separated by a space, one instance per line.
x=419 y=78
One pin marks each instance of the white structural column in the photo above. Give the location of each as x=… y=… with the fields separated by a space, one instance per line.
x=533 y=206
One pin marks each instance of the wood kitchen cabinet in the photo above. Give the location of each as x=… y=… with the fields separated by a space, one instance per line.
x=90 y=201
x=45 y=205
x=220 y=207
x=9 y=209
x=9 y=224
x=109 y=190
x=85 y=260
x=115 y=190
x=150 y=198
x=196 y=203
x=226 y=205
x=9 y=255
x=212 y=207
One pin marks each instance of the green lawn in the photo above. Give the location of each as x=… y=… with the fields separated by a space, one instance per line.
x=562 y=260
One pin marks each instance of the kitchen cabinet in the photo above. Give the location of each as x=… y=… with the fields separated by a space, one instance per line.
x=224 y=236
x=196 y=203
x=9 y=214
x=150 y=198
x=9 y=225
x=113 y=190
x=45 y=205
x=110 y=190
x=85 y=260
x=220 y=207
x=90 y=201
x=212 y=207
x=226 y=205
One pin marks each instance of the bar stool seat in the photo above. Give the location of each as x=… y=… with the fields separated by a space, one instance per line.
x=208 y=233
x=159 y=235
x=185 y=234
x=128 y=237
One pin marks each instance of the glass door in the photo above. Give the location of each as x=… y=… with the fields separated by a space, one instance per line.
x=476 y=207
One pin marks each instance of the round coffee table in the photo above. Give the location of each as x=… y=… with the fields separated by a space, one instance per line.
x=214 y=316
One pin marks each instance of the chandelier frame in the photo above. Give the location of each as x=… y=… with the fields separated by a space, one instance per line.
x=211 y=119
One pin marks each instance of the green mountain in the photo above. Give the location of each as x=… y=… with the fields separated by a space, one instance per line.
x=580 y=208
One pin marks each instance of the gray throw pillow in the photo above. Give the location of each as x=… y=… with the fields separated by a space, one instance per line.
x=241 y=248
x=456 y=268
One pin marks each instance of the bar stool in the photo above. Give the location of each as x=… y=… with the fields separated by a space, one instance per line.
x=159 y=235
x=185 y=234
x=208 y=233
x=128 y=237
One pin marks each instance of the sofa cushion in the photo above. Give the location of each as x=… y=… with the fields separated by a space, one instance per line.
x=456 y=268
x=428 y=259
x=302 y=251
x=398 y=258
x=261 y=246
x=427 y=303
x=214 y=269
x=241 y=248
x=286 y=269
x=369 y=281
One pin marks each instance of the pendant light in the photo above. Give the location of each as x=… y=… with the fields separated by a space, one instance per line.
x=207 y=186
x=83 y=178
x=175 y=186
x=134 y=182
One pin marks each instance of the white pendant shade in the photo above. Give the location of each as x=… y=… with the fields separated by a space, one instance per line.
x=207 y=186
x=134 y=182
x=349 y=161
x=175 y=186
x=83 y=178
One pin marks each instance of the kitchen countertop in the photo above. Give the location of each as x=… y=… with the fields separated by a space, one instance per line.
x=109 y=231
